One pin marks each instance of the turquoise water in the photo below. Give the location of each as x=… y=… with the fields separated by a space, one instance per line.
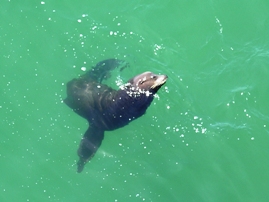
x=204 y=138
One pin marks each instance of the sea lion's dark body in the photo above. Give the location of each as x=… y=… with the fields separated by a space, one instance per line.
x=105 y=108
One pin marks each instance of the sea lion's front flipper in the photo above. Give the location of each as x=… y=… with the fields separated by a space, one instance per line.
x=101 y=71
x=89 y=144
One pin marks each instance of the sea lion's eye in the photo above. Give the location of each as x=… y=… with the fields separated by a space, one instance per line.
x=141 y=81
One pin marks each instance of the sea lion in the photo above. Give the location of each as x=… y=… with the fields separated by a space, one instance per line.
x=105 y=108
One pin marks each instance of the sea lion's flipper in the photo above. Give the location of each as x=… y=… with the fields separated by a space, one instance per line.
x=101 y=71
x=89 y=144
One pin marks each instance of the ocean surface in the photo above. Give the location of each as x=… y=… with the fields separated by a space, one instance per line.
x=204 y=138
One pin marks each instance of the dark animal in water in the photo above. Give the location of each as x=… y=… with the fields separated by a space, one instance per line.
x=105 y=108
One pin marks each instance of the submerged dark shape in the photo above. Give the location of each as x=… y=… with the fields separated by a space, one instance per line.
x=105 y=108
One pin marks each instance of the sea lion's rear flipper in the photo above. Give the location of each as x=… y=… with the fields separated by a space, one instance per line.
x=102 y=69
x=89 y=144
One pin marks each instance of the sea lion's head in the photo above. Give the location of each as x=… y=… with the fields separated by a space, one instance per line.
x=148 y=81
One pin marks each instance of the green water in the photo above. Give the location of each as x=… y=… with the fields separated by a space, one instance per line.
x=205 y=138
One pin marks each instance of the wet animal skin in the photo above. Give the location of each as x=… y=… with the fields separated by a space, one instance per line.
x=107 y=109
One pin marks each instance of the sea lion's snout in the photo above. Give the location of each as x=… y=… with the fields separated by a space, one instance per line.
x=161 y=79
